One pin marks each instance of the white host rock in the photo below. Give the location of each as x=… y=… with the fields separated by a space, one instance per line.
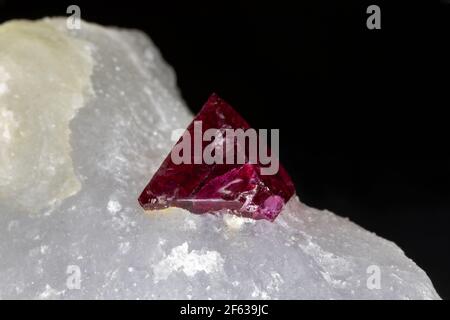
x=85 y=119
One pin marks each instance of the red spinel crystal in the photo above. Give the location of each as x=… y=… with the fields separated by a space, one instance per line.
x=236 y=186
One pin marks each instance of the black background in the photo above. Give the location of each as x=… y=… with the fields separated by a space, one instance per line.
x=362 y=113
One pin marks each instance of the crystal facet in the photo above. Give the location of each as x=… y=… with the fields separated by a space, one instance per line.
x=201 y=188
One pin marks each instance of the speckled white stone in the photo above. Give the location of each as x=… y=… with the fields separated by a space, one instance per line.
x=118 y=139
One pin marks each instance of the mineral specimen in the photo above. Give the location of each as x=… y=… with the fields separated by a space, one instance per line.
x=223 y=185
x=97 y=243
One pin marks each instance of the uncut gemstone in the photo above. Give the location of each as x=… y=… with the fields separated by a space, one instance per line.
x=219 y=187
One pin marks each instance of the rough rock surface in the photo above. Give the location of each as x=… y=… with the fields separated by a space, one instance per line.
x=117 y=140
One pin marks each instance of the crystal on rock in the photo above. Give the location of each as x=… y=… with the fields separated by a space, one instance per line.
x=117 y=137
x=200 y=187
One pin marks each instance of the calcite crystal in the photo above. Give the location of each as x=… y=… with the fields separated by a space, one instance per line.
x=98 y=243
x=225 y=186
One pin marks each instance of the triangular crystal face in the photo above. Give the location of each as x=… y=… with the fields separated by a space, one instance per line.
x=236 y=186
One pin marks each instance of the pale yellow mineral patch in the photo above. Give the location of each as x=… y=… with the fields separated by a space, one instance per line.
x=45 y=76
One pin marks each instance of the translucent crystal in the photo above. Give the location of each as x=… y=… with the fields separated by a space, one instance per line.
x=225 y=185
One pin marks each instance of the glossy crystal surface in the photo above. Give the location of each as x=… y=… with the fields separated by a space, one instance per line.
x=239 y=188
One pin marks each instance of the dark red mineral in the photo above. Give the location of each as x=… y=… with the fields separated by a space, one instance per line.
x=186 y=180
